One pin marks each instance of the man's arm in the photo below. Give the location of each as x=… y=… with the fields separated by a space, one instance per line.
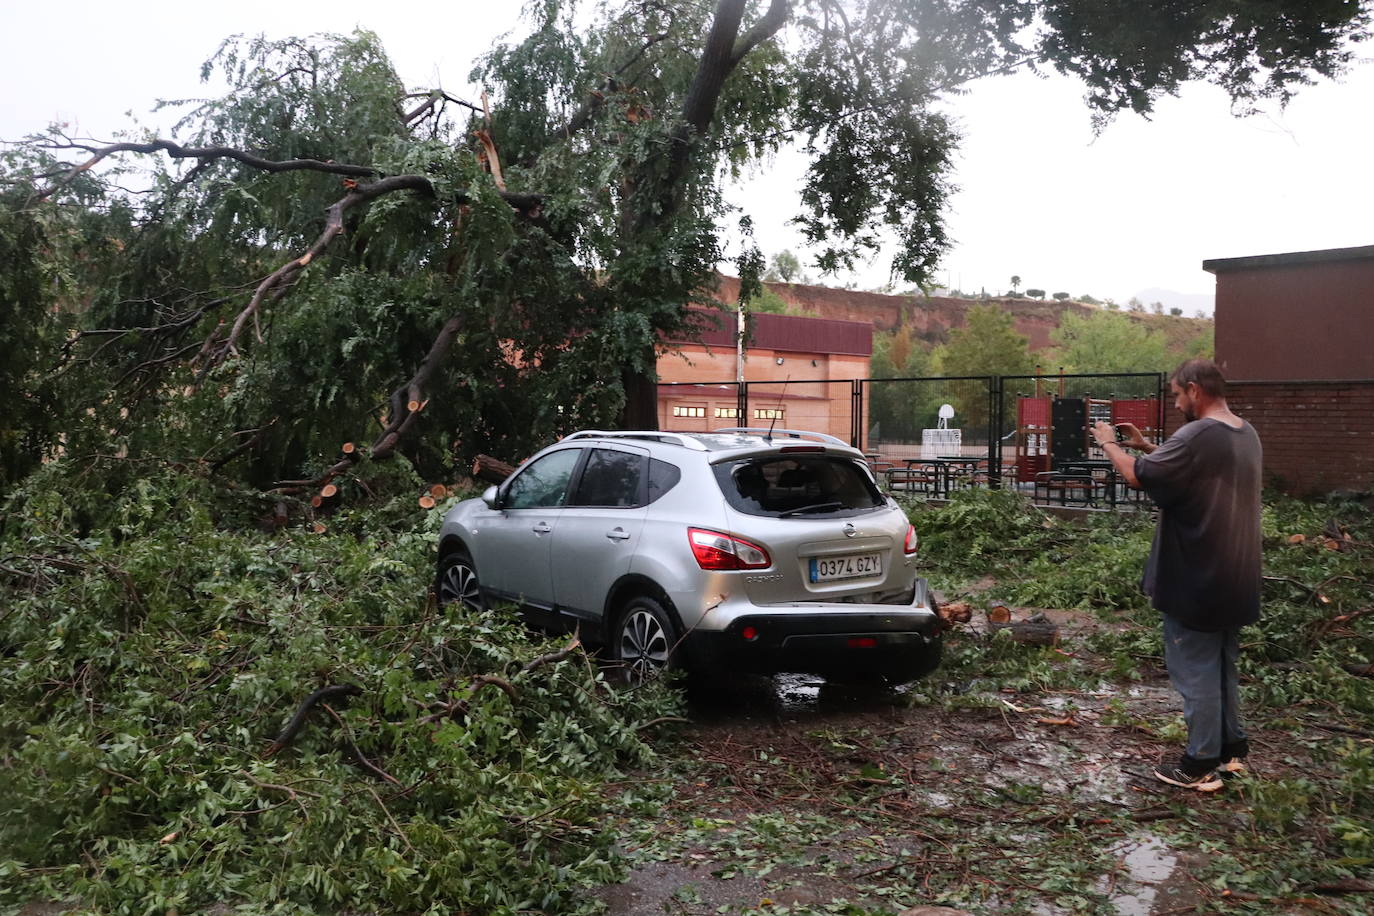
x=1105 y=434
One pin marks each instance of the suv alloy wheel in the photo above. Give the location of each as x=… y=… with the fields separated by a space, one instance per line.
x=645 y=641
x=457 y=582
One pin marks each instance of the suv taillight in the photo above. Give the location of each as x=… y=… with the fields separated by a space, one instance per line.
x=911 y=544
x=714 y=550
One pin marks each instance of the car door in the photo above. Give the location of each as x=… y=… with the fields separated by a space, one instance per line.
x=511 y=547
x=598 y=532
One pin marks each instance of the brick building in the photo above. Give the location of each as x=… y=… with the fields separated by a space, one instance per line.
x=799 y=370
x=1293 y=334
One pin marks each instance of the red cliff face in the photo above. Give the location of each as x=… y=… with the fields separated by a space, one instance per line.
x=929 y=318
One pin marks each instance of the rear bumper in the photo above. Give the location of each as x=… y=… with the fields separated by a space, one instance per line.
x=823 y=637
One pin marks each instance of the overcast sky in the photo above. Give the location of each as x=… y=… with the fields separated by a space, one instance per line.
x=1135 y=209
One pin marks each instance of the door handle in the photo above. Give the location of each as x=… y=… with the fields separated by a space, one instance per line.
x=541 y=528
x=618 y=534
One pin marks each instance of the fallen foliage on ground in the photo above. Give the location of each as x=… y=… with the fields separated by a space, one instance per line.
x=158 y=649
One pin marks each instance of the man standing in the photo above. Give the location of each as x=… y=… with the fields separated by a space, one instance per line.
x=1203 y=573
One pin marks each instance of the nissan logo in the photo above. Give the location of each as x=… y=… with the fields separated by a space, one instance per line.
x=850 y=530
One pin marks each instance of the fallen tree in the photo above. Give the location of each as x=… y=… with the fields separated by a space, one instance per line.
x=322 y=248
x=411 y=753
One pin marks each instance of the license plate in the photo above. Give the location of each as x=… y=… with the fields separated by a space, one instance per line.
x=863 y=565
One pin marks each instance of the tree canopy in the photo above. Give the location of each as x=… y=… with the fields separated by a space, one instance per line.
x=324 y=255
x=988 y=344
x=1108 y=342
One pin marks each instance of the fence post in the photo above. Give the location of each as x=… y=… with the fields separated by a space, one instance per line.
x=856 y=410
x=995 y=432
x=1159 y=378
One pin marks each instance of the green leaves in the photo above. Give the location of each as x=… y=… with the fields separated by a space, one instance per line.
x=147 y=670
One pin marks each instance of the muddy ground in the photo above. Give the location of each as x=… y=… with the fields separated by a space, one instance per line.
x=792 y=794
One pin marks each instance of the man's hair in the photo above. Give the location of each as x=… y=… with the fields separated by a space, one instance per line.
x=1203 y=373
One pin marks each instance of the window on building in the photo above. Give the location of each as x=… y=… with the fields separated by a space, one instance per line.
x=690 y=412
x=769 y=413
x=727 y=413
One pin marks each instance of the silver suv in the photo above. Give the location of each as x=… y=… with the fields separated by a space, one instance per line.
x=765 y=550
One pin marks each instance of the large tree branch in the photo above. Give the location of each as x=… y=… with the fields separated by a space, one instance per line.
x=280 y=279
x=334 y=227
x=761 y=31
x=524 y=202
x=406 y=405
x=177 y=151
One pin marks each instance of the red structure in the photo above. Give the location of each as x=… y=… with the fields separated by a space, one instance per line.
x=1293 y=333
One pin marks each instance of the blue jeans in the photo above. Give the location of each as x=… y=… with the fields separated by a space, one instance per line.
x=1202 y=668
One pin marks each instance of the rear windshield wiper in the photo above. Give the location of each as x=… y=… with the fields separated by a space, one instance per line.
x=818 y=507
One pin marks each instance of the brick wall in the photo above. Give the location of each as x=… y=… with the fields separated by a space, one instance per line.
x=1317 y=436
x=929 y=319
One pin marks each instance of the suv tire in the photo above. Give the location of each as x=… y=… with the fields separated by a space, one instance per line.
x=644 y=641
x=457 y=581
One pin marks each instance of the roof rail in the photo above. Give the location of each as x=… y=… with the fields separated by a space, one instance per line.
x=645 y=435
x=786 y=434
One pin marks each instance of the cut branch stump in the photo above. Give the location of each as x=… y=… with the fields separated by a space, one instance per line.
x=492 y=470
x=1029 y=632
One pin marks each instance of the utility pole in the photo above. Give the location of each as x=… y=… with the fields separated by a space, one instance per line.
x=739 y=342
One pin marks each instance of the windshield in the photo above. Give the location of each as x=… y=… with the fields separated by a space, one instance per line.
x=787 y=486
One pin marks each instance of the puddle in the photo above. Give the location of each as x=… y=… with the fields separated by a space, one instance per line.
x=786 y=697
x=1062 y=769
x=1148 y=863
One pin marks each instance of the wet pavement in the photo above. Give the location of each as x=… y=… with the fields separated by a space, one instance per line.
x=1015 y=747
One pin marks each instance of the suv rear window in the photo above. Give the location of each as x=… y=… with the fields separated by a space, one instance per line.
x=790 y=485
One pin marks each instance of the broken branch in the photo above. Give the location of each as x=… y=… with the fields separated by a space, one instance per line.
x=492 y=470
x=302 y=713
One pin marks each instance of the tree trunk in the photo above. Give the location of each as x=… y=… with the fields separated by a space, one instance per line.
x=641 y=401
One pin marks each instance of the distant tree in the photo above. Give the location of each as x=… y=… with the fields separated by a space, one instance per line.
x=1107 y=342
x=785 y=267
x=1175 y=311
x=1110 y=303
x=1060 y=297
x=767 y=301
x=1135 y=304
x=1201 y=346
x=901 y=410
x=1157 y=307
x=1199 y=313
x=987 y=345
x=1036 y=293
x=1015 y=282
x=1091 y=300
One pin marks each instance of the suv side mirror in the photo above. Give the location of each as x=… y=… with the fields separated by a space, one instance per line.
x=489 y=497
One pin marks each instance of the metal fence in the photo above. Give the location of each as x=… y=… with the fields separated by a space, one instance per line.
x=935 y=435
x=1046 y=446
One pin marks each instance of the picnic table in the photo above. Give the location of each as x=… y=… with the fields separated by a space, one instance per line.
x=933 y=475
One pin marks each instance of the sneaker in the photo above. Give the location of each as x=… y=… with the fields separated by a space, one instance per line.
x=1184 y=776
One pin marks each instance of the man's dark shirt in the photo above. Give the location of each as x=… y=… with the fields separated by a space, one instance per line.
x=1204 y=566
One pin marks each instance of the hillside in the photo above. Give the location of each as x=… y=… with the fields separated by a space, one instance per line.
x=931 y=318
